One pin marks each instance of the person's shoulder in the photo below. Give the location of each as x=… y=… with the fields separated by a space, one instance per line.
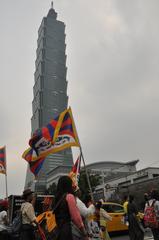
x=79 y=200
x=26 y=205
x=157 y=202
x=70 y=196
x=102 y=210
x=125 y=203
x=3 y=213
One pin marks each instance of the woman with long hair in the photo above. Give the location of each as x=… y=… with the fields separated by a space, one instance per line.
x=135 y=229
x=67 y=213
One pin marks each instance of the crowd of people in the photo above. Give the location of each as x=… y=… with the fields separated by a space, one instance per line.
x=136 y=221
x=79 y=220
x=76 y=219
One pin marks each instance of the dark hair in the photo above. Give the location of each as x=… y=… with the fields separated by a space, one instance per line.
x=154 y=194
x=3 y=208
x=98 y=205
x=131 y=198
x=64 y=186
x=125 y=198
x=87 y=199
x=146 y=196
x=25 y=197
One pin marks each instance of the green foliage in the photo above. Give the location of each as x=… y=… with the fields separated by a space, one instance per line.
x=95 y=179
x=52 y=189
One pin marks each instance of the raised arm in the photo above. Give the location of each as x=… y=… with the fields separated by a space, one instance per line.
x=84 y=211
x=105 y=215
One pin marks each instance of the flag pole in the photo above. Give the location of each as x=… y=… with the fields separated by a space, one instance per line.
x=87 y=176
x=6 y=186
x=6 y=183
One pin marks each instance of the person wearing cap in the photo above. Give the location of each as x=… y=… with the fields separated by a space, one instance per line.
x=3 y=220
x=28 y=216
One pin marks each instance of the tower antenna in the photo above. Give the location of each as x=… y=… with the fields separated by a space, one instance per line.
x=52 y=4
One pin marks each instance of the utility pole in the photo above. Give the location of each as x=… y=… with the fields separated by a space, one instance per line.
x=104 y=190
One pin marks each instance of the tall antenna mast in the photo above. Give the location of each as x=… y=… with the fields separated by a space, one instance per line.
x=52 y=5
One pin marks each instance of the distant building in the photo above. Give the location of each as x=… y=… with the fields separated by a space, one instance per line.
x=105 y=169
x=110 y=169
x=124 y=184
x=50 y=90
x=54 y=175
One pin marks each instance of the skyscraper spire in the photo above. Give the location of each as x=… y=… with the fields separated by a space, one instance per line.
x=52 y=12
x=52 y=5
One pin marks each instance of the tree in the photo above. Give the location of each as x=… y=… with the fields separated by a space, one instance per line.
x=52 y=189
x=95 y=180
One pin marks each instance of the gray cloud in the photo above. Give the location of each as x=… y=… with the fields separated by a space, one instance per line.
x=112 y=59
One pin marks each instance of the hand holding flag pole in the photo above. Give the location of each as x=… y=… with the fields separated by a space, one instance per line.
x=81 y=154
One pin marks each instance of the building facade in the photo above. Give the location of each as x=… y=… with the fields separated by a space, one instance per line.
x=129 y=183
x=50 y=90
x=111 y=169
x=54 y=175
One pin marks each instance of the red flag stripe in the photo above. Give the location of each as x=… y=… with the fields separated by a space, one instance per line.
x=67 y=122
x=2 y=155
x=46 y=134
x=53 y=123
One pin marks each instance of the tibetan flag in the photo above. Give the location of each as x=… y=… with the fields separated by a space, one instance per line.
x=58 y=135
x=65 y=135
x=35 y=166
x=2 y=160
x=75 y=172
x=46 y=133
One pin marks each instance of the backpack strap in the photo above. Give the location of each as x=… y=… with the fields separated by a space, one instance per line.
x=153 y=203
x=59 y=201
x=148 y=204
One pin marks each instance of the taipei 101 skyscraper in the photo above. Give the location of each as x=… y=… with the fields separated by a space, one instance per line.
x=50 y=90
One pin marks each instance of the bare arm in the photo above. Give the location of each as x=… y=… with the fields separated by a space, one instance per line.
x=106 y=215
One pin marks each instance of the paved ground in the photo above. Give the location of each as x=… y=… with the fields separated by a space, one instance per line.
x=120 y=238
x=148 y=236
x=127 y=238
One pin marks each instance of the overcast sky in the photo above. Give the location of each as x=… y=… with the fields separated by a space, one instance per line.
x=113 y=78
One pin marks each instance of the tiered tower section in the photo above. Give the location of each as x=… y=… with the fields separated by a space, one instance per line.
x=50 y=89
